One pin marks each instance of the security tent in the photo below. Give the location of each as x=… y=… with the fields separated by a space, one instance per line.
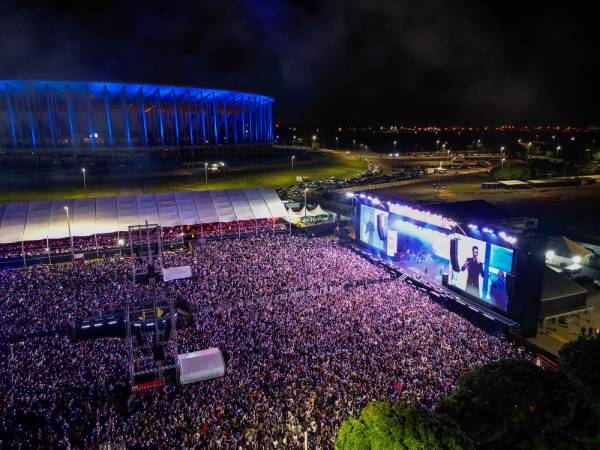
x=40 y=220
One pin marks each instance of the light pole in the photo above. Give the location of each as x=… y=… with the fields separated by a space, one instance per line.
x=395 y=142
x=502 y=164
x=305 y=206
x=293 y=157
x=70 y=235
x=354 y=145
x=502 y=151
x=337 y=140
x=206 y=173
x=557 y=150
x=437 y=145
x=84 y=182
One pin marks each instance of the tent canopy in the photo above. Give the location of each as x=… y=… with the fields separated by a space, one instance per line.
x=201 y=365
x=567 y=248
x=42 y=220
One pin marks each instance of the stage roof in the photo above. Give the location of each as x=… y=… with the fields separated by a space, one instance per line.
x=39 y=220
x=558 y=286
x=466 y=211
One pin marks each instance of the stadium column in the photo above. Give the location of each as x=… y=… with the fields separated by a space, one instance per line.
x=90 y=116
x=216 y=131
x=242 y=118
x=50 y=116
x=11 y=115
x=31 y=122
x=199 y=140
x=190 y=117
x=263 y=128
x=250 y=123
x=160 y=118
x=235 y=114
x=202 y=119
x=125 y=116
x=261 y=123
x=142 y=109
x=70 y=115
x=226 y=132
x=256 y=119
x=108 y=123
x=175 y=117
x=270 y=121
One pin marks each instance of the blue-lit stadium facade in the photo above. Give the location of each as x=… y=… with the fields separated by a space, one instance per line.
x=53 y=114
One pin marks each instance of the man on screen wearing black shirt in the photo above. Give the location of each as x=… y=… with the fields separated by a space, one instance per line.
x=474 y=270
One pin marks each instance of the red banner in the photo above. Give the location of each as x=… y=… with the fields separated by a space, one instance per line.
x=148 y=386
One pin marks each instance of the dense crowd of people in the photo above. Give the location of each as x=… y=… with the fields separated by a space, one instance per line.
x=110 y=241
x=311 y=330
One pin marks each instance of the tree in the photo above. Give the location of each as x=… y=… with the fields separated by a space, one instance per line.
x=581 y=360
x=400 y=426
x=515 y=404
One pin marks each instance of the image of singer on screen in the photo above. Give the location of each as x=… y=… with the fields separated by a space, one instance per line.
x=474 y=270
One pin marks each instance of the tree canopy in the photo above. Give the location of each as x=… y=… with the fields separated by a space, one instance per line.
x=400 y=426
x=515 y=404
x=581 y=360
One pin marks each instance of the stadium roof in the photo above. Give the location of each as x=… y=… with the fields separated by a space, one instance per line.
x=131 y=90
x=33 y=221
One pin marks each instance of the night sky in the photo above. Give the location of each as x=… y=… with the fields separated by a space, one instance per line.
x=329 y=62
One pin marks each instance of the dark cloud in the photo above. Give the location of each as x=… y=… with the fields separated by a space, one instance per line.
x=334 y=61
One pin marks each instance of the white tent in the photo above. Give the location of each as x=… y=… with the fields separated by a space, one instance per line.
x=318 y=211
x=201 y=365
x=303 y=212
x=39 y=220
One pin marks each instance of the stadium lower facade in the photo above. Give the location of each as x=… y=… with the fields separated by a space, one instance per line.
x=52 y=114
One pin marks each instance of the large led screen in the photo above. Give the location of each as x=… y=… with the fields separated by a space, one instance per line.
x=481 y=270
x=476 y=267
x=373 y=227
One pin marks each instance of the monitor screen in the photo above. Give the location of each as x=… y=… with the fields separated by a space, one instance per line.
x=481 y=270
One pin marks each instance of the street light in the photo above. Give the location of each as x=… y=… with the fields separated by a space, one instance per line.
x=395 y=142
x=337 y=140
x=557 y=150
x=66 y=208
x=437 y=145
x=502 y=150
x=305 y=206
x=84 y=183
x=293 y=157
x=206 y=172
x=354 y=145
x=502 y=164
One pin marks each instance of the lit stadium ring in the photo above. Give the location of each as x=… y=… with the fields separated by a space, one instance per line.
x=51 y=114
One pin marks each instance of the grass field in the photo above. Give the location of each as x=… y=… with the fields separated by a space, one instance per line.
x=72 y=186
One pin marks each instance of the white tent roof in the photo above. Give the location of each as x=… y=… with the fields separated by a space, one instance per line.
x=48 y=219
x=201 y=365
x=318 y=211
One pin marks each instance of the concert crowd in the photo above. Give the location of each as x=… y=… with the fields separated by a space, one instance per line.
x=311 y=330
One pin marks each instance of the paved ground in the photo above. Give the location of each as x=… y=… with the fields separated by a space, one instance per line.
x=559 y=334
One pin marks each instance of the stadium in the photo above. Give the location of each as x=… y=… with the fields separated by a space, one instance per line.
x=55 y=114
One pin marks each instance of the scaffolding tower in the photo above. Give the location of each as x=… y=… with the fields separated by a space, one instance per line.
x=152 y=316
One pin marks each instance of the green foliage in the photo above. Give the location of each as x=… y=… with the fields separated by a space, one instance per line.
x=513 y=404
x=512 y=171
x=581 y=360
x=400 y=426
